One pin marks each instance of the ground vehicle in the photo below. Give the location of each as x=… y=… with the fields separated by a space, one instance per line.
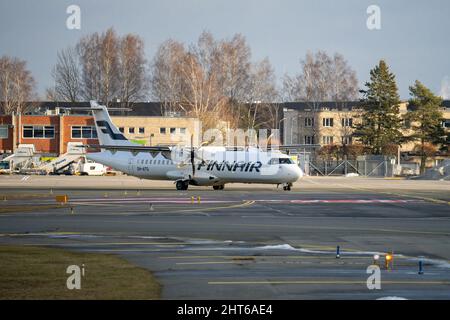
x=5 y=167
x=91 y=169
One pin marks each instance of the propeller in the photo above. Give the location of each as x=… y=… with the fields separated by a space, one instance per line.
x=192 y=156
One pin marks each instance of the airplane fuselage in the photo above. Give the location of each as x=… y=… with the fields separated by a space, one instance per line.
x=229 y=168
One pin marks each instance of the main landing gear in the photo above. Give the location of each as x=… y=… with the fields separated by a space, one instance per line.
x=287 y=186
x=219 y=187
x=182 y=185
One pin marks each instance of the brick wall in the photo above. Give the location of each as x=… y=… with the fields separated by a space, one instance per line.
x=42 y=145
x=7 y=144
x=66 y=133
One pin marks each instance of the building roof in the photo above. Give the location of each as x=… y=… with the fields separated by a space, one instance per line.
x=326 y=105
x=149 y=109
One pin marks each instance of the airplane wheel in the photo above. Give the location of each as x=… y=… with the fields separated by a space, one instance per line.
x=181 y=185
x=221 y=187
x=287 y=188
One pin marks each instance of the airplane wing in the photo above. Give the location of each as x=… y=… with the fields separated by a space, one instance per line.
x=136 y=148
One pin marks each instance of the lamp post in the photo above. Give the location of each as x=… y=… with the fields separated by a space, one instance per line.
x=279 y=126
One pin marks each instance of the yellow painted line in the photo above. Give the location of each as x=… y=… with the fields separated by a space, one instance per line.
x=332 y=282
x=199 y=209
x=87 y=204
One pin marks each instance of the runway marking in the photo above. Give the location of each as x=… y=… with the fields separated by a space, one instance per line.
x=199 y=209
x=256 y=257
x=104 y=244
x=330 y=282
x=208 y=262
x=284 y=226
x=307 y=201
x=396 y=194
x=356 y=201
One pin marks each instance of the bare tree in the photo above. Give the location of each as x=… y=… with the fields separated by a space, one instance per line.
x=67 y=77
x=344 y=88
x=322 y=79
x=133 y=77
x=261 y=95
x=100 y=64
x=165 y=79
x=16 y=85
x=214 y=80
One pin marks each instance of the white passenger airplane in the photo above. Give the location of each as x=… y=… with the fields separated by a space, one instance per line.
x=203 y=166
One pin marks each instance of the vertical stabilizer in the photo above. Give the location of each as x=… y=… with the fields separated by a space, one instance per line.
x=107 y=132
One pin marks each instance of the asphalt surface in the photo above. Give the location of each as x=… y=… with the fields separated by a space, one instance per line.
x=248 y=241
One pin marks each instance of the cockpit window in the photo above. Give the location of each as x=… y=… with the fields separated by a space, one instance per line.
x=280 y=161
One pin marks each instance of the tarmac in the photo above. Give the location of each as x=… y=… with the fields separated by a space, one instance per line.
x=247 y=241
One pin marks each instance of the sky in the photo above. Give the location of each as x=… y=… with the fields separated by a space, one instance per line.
x=414 y=37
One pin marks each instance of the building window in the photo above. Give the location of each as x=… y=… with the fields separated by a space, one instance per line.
x=3 y=132
x=121 y=129
x=141 y=130
x=309 y=122
x=327 y=122
x=131 y=130
x=327 y=140
x=347 y=122
x=38 y=132
x=84 y=132
x=173 y=130
x=347 y=140
x=182 y=130
x=309 y=139
x=162 y=130
x=446 y=123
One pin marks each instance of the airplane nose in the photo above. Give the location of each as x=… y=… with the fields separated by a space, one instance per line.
x=297 y=172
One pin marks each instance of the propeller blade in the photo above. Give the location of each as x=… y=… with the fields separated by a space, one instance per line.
x=192 y=156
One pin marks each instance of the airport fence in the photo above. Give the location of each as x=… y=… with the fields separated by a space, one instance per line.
x=377 y=166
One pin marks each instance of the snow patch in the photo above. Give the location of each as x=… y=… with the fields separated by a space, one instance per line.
x=392 y=298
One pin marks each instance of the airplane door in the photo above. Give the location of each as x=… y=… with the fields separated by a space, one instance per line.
x=131 y=165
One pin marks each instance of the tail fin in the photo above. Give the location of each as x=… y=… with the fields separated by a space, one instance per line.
x=107 y=132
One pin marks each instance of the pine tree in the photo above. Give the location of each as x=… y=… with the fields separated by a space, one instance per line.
x=381 y=122
x=426 y=120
